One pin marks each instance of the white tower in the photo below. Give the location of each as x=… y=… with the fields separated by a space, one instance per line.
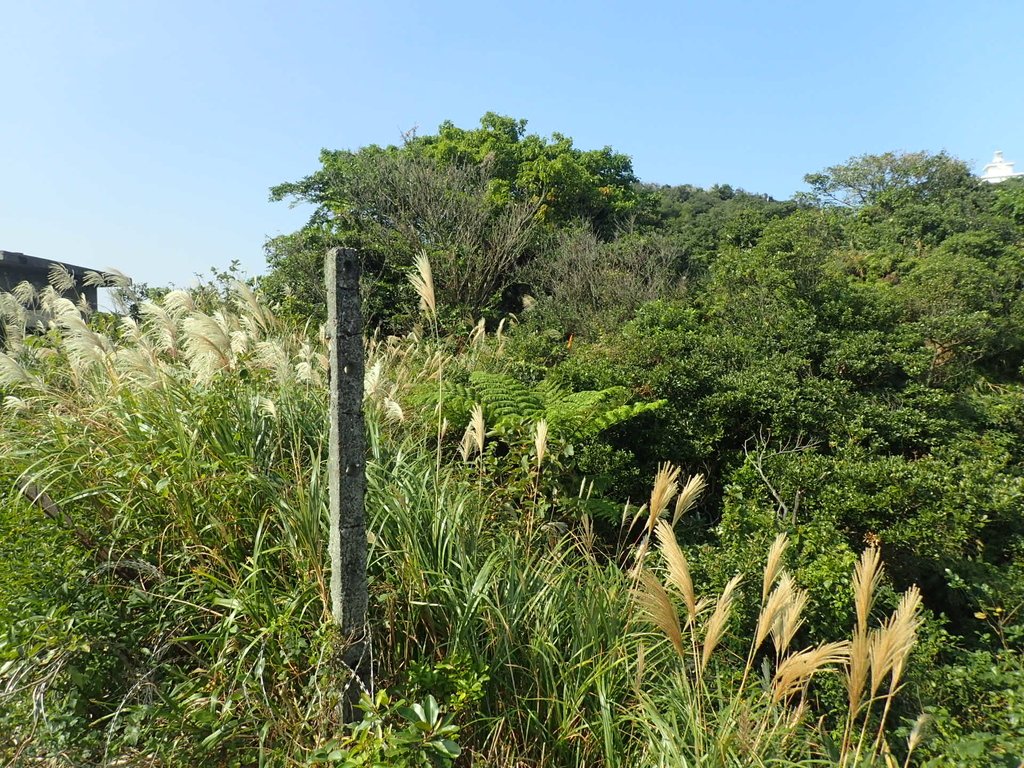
x=998 y=170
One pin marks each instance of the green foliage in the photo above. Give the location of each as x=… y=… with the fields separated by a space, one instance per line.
x=476 y=201
x=570 y=452
x=393 y=205
x=843 y=402
x=1010 y=200
x=509 y=405
x=596 y=186
x=702 y=222
x=908 y=200
x=426 y=738
x=583 y=285
x=981 y=719
x=847 y=372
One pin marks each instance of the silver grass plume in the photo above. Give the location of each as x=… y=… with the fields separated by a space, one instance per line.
x=12 y=404
x=25 y=293
x=393 y=410
x=179 y=303
x=372 y=379
x=271 y=355
x=473 y=438
x=423 y=281
x=207 y=346
x=16 y=376
x=256 y=315
x=161 y=327
x=61 y=278
x=478 y=334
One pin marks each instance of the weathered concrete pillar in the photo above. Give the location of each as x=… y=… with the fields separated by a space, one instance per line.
x=347 y=468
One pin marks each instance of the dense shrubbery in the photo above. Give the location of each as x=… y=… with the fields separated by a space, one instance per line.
x=840 y=376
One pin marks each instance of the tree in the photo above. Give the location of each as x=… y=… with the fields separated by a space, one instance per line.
x=569 y=184
x=703 y=221
x=1010 y=200
x=888 y=178
x=906 y=199
x=584 y=285
x=474 y=200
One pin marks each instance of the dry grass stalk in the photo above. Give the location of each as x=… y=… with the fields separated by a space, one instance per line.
x=12 y=404
x=909 y=621
x=61 y=278
x=867 y=575
x=777 y=601
x=208 y=345
x=870 y=658
x=716 y=625
x=179 y=303
x=15 y=375
x=393 y=411
x=255 y=314
x=657 y=607
x=790 y=614
x=857 y=671
x=272 y=355
x=665 y=487
x=916 y=734
x=688 y=496
x=896 y=640
x=478 y=334
x=641 y=664
x=540 y=440
x=161 y=327
x=473 y=438
x=13 y=320
x=890 y=645
x=25 y=293
x=423 y=281
x=372 y=378
x=678 y=568
x=774 y=564
x=797 y=669
x=588 y=536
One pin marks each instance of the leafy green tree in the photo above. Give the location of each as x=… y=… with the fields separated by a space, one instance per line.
x=702 y=222
x=1010 y=200
x=906 y=200
x=595 y=186
x=476 y=201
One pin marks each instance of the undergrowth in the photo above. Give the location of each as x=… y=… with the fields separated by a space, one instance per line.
x=165 y=490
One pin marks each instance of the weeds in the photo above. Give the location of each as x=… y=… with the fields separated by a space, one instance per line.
x=189 y=447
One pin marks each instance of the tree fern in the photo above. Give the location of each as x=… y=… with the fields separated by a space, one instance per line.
x=510 y=405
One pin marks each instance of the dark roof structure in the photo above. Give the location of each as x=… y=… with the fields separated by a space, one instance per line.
x=17 y=267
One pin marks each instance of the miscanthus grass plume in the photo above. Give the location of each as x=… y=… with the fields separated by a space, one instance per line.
x=752 y=723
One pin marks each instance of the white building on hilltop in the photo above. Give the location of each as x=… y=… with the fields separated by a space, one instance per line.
x=998 y=170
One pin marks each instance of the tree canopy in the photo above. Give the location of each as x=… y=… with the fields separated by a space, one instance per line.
x=477 y=201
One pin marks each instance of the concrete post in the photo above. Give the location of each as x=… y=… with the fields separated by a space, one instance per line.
x=347 y=469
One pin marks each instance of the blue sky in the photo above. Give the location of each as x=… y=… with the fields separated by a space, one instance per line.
x=144 y=135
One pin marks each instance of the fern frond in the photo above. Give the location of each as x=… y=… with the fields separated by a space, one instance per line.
x=505 y=400
x=623 y=413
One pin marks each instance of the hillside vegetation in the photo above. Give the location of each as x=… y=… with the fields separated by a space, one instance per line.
x=658 y=476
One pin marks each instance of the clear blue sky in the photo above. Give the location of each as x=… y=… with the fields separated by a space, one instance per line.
x=144 y=135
